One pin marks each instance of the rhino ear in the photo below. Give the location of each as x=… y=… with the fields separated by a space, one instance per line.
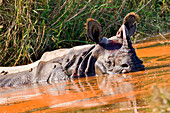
x=130 y=23
x=93 y=30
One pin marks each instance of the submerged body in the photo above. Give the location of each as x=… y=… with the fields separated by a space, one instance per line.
x=106 y=56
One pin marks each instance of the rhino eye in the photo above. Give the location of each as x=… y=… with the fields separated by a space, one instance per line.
x=108 y=63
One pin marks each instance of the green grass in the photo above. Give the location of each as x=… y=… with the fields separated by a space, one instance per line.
x=28 y=28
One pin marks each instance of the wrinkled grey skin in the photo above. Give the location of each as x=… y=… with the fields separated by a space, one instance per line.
x=107 y=56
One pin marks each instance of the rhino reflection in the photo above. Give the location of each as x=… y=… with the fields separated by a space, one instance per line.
x=112 y=90
x=116 y=85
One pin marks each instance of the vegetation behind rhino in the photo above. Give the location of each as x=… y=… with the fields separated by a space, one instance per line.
x=106 y=56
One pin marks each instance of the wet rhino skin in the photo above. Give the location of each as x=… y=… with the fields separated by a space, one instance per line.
x=106 y=56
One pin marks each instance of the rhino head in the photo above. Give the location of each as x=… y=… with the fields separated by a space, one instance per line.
x=113 y=55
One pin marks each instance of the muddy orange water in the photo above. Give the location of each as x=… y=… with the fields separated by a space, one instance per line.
x=144 y=91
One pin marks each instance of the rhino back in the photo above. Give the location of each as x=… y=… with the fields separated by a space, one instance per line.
x=53 y=66
x=22 y=77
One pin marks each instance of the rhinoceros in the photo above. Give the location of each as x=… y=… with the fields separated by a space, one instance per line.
x=106 y=56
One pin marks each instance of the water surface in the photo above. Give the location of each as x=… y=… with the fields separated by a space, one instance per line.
x=144 y=91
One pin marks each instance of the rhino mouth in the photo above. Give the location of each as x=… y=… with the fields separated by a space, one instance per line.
x=124 y=71
x=133 y=68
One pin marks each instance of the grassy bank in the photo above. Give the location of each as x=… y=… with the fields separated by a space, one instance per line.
x=28 y=28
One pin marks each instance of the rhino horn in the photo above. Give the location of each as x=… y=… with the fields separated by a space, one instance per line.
x=128 y=29
x=126 y=38
x=130 y=23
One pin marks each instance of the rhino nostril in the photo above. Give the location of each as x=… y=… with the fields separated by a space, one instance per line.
x=124 y=65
